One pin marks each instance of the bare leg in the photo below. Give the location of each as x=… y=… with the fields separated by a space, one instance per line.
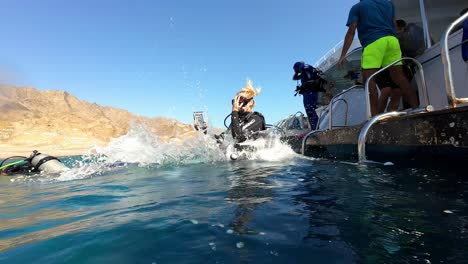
x=394 y=100
x=399 y=78
x=373 y=94
x=383 y=99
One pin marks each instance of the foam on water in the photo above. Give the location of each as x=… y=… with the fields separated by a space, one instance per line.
x=270 y=149
x=140 y=147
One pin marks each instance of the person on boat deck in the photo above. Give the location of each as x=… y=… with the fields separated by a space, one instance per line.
x=375 y=22
x=311 y=84
x=411 y=38
x=353 y=76
x=244 y=121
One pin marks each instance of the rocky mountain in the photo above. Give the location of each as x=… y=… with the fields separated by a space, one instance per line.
x=58 y=123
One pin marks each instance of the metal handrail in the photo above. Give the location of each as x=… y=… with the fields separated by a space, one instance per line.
x=346 y=112
x=298 y=112
x=427 y=35
x=330 y=110
x=423 y=81
x=365 y=129
x=304 y=139
x=323 y=113
x=320 y=117
x=450 y=90
x=300 y=115
x=330 y=107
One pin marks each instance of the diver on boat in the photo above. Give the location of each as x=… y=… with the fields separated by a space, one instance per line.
x=36 y=162
x=411 y=38
x=353 y=76
x=312 y=83
x=246 y=123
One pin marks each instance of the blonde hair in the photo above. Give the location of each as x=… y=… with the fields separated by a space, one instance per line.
x=249 y=90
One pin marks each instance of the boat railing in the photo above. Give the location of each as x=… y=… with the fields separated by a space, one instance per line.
x=332 y=56
x=328 y=53
x=346 y=111
x=299 y=117
x=337 y=99
x=330 y=110
x=323 y=113
x=423 y=83
x=453 y=101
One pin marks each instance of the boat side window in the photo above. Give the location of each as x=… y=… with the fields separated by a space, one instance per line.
x=441 y=14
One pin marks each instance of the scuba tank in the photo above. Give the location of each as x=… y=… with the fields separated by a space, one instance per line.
x=37 y=162
x=43 y=162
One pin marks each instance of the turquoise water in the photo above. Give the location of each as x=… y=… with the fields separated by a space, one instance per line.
x=191 y=205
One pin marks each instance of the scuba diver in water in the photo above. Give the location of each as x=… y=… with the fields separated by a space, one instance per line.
x=245 y=123
x=36 y=162
x=311 y=84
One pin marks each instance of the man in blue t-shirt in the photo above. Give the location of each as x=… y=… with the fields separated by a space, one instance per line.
x=375 y=22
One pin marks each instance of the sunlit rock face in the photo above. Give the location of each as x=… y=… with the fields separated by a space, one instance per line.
x=58 y=123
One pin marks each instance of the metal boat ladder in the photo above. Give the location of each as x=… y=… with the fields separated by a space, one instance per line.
x=372 y=120
x=453 y=100
x=365 y=130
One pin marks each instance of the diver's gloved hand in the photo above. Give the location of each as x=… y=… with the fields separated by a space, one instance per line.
x=298 y=90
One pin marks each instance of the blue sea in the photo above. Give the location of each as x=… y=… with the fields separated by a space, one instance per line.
x=139 y=200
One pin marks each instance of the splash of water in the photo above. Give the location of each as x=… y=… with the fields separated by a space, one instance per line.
x=140 y=147
x=264 y=149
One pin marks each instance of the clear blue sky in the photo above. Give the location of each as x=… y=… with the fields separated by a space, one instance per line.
x=168 y=57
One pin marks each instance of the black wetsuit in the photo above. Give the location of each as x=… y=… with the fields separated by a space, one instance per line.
x=244 y=125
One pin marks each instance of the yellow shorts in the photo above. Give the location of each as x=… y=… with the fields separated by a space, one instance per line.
x=381 y=53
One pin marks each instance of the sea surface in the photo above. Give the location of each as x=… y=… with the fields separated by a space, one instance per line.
x=142 y=201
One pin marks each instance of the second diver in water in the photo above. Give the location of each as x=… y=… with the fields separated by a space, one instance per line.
x=35 y=163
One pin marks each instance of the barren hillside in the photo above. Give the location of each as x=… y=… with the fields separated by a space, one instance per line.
x=58 y=123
